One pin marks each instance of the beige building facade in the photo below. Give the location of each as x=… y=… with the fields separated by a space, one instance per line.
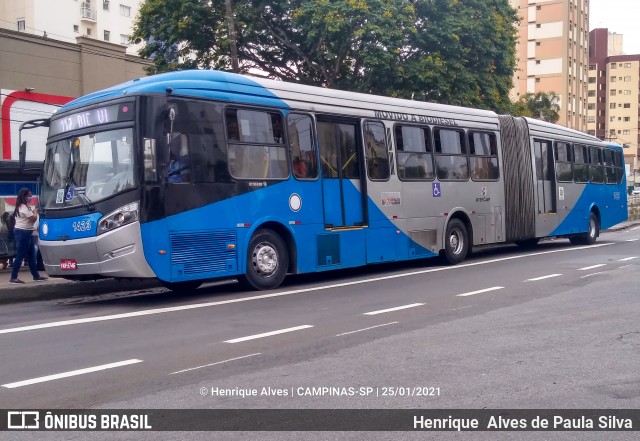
x=614 y=96
x=552 y=55
x=38 y=75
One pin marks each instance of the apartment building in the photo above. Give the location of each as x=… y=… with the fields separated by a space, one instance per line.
x=614 y=95
x=552 y=55
x=65 y=20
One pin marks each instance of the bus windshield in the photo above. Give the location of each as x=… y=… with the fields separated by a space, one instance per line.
x=88 y=168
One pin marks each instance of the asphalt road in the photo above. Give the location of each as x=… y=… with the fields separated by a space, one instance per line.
x=552 y=327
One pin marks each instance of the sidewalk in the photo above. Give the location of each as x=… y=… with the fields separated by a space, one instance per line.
x=57 y=288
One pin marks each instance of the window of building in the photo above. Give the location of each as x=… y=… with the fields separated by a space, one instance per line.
x=591 y=132
x=626 y=132
x=591 y=119
x=107 y=35
x=537 y=61
x=627 y=79
x=619 y=64
x=626 y=92
x=538 y=25
x=612 y=92
x=538 y=7
x=125 y=11
x=76 y=28
x=124 y=40
x=592 y=79
x=105 y=5
x=613 y=65
x=88 y=31
x=591 y=93
x=613 y=79
x=21 y=24
x=612 y=105
x=612 y=118
x=627 y=106
x=451 y=155
x=627 y=65
x=627 y=119
x=415 y=153
x=592 y=67
x=591 y=106
x=537 y=80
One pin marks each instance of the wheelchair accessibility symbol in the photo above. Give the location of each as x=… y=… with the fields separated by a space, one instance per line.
x=436 y=190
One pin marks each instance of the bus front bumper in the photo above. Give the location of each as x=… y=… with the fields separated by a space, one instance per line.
x=118 y=253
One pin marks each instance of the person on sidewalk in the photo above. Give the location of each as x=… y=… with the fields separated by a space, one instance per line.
x=23 y=233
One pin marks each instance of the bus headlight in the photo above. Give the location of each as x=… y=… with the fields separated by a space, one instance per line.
x=122 y=216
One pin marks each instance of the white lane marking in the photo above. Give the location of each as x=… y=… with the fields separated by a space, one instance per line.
x=468 y=306
x=213 y=364
x=267 y=334
x=480 y=291
x=624 y=266
x=397 y=308
x=285 y=293
x=634 y=229
x=70 y=373
x=366 y=329
x=592 y=274
x=627 y=258
x=591 y=267
x=631 y=240
x=543 y=277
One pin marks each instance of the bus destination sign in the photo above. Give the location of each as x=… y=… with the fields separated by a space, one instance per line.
x=92 y=117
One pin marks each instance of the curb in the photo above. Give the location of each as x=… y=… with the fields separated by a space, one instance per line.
x=67 y=289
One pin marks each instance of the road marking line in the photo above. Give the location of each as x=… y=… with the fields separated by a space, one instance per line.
x=397 y=308
x=631 y=240
x=213 y=364
x=70 y=373
x=628 y=258
x=634 y=229
x=591 y=267
x=592 y=274
x=366 y=329
x=267 y=334
x=285 y=293
x=480 y=291
x=543 y=277
x=468 y=306
x=624 y=266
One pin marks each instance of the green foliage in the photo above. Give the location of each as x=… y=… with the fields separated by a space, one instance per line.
x=539 y=105
x=447 y=51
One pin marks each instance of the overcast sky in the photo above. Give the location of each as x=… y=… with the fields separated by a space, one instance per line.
x=619 y=16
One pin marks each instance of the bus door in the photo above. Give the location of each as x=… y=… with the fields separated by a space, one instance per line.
x=342 y=186
x=545 y=177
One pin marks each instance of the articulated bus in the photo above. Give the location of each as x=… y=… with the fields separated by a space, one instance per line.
x=199 y=175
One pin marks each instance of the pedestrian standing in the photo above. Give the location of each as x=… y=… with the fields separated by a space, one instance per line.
x=23 y=232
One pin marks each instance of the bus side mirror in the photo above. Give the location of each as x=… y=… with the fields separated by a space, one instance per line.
x=22 y=155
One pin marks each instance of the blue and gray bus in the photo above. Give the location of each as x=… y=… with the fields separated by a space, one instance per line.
x=199 y=175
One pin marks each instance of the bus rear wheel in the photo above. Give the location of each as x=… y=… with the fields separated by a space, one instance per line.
x=456 y=242
x=267 y=261
x=590 y=236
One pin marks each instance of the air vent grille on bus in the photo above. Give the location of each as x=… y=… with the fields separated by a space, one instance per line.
x=203 y=251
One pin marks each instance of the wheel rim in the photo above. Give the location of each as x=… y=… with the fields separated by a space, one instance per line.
x=592 y=228
x=456 y=241
x=265 y=259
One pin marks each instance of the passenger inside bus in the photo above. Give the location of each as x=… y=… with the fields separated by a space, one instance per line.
x=299 y=168
x=179 y=170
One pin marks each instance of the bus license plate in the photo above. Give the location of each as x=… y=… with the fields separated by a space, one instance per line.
x=68 y=264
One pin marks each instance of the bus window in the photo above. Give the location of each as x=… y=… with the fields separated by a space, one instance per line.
x=610 y=167
x=564 y=171
x=596 y=169
x=375 y=143
x=451 y=155
x=415 y=154
x=580 y=165
x=303 y=147
x=619 y=166
x=256 y=145
x=484 y=156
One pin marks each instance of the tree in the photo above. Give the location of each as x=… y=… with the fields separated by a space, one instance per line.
x=447 y=51
x=539 y=105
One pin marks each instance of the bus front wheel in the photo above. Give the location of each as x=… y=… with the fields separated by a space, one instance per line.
x=267 y=261
x=456 y=242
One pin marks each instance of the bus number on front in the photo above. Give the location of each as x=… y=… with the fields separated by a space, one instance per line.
x=84 y=225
